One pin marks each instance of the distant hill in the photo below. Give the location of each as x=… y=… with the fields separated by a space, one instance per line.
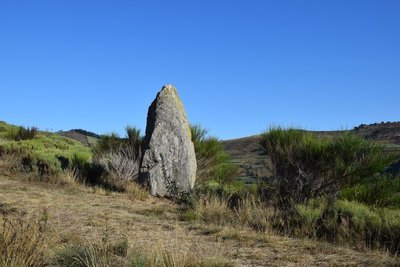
x=388 y=132
x=254 y=162
x=84 y=137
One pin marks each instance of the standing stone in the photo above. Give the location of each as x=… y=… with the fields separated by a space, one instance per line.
x=168 y=165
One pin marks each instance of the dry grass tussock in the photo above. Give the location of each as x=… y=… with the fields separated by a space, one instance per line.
x=135 y=191
x=214 y=209
x=253 y=213
x=22 y=242
x=250 y=212
x=68 y=177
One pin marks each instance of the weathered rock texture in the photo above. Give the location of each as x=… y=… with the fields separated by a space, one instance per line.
x=169 y=161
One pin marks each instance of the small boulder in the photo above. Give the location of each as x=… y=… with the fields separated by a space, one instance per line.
x=168 y=165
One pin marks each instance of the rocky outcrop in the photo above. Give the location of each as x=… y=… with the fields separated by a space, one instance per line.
x=168 y=165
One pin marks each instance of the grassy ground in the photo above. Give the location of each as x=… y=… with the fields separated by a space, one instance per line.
x=77 y=214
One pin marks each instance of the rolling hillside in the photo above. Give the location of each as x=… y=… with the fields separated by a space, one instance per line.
x=254 y=162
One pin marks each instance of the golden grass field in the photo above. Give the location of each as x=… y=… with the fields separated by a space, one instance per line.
x=75 y=214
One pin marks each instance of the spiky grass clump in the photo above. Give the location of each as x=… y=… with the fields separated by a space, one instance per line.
x=113 y=143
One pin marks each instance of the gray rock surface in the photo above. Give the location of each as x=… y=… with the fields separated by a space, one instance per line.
x=168 y=165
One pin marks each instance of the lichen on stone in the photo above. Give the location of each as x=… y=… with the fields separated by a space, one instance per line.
x=170 y=89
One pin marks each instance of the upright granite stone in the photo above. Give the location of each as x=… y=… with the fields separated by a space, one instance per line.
x=168 y=165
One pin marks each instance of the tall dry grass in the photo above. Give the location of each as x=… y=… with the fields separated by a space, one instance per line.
x=135 y=191
x=22 y=242
x=168 y=252
x=67 y=178
x=250 y=212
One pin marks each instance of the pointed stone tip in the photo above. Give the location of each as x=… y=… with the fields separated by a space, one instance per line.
x=168 y=86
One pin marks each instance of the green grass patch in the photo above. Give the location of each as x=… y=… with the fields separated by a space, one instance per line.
x=46 y=152
x=213 y=162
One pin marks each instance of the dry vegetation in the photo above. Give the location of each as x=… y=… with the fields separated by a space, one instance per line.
x=70 y=211
x=75 y=225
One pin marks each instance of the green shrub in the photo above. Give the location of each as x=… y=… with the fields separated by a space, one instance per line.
x=119 y=160
x=349 y=221
x=26 y=133
x=131 y=144
x=17 y=133
x=380 y=191
x=92 y=173
x=108 y=143
x=199 y=134
x=134 y=138
x=212 y=160
x=306 y=167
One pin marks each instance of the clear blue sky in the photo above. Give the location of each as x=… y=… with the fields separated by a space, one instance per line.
x=239 y=66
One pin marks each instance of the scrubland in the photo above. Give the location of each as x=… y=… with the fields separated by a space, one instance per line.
x=329 y=203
